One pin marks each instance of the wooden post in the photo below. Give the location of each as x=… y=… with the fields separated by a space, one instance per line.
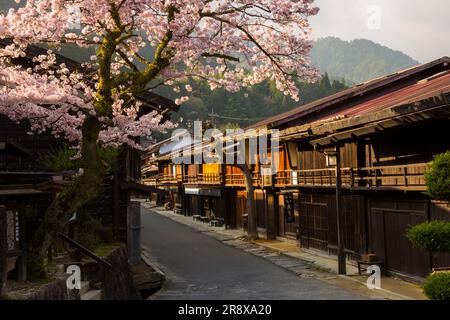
x=352 y=177
x=181 y=190
x=405 y=176
x=339 y=225
x=134 y=232
x=3 y=248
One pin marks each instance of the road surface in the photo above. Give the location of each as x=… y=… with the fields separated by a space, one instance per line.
x=198 y=266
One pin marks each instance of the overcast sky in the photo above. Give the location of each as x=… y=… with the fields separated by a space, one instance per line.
x=419 y=28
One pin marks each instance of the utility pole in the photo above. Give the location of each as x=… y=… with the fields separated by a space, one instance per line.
x=339 y=223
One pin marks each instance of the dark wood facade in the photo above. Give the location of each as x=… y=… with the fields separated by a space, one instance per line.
x=386 y=133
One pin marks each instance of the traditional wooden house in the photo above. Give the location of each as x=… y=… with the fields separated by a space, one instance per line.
x=192 y=189
x=208 y=191
x=20 y=196
x=357 y=157
x=365 y=151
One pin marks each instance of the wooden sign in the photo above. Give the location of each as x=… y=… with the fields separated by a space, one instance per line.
x=3 y=248
x=12 y=230
x=289 y=208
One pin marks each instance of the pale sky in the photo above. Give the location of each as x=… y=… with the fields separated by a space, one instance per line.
x=419 y=28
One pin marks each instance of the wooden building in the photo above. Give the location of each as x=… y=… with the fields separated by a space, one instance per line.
x=383 y=133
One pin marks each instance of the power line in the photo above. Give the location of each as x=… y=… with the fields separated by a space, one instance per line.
x=215 y=115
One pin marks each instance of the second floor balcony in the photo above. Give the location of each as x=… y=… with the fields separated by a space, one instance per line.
x=203 y=179
x=395 y=177
x=163 y=180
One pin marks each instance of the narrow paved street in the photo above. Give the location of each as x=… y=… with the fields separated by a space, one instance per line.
x=198 y=266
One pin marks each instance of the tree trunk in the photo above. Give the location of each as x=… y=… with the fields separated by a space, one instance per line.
x=72 y=198
x=252 y=228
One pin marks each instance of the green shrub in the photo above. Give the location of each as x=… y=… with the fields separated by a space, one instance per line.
x=61 y=159
x=432 y=236
x=110 y=156
x=91 y=232
x=438 y=177
x=437 y=286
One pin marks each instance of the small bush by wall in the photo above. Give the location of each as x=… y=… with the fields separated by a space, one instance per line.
x=437 y=286
x=438 y=177
x=433 y=236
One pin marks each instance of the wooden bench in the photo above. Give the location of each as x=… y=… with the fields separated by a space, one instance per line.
x=218 y=222
x=204 y=219
x=196 y=217
x=373 y=263
x=178 y=209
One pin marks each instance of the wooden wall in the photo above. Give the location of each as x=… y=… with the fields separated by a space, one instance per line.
x=373 y=223
x=235 y=205
x=389 y=221
x=36 y=145
x=260 y=204
x=313 y=159
x=318 y=221
x=410 y=144
x=193 y=205
x=416 y=143
x=315 y=210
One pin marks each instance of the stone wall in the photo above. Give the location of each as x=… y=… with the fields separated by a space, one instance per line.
x=116 y=283
x=56 y=290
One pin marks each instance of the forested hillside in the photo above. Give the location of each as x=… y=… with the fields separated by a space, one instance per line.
x=247 y=107
x=358 y=60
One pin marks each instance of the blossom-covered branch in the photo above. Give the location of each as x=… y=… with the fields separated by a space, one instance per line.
x=141 y=44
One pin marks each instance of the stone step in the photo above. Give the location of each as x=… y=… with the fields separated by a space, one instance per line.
x=92 y=295
x=85 y=286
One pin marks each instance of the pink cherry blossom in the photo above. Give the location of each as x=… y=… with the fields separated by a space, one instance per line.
x=230 y=44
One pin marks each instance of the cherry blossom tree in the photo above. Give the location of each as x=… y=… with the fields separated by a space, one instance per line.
x=229 y=44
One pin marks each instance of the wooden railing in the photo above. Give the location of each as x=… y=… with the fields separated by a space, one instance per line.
x=313 y=177
x=161 y=180
x=238 y=180
x=204 y=178
x=405 y=177
x=401 y=176
x=85 y=251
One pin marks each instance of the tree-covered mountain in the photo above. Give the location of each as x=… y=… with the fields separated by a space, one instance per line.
x=5 y=5
x=243 y=108
x=358 y=60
